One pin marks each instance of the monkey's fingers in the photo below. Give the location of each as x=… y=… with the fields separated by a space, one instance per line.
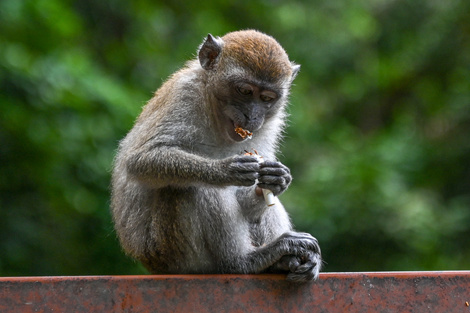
x=244 y=177
x=274 y=171
x=275 y=164
x=308 y=261
x=297 y=243
x=311 y=274
x=272 y=180
x=275 y=189
x=241 y=170
x=245 y=181
x=288 y=263
x=277 y=184
x=245 y=159
x=243 y=164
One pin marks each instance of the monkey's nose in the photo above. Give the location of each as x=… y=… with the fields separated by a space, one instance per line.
x=254 y=124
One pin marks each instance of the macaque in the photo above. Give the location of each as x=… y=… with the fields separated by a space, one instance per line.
x=185 y=197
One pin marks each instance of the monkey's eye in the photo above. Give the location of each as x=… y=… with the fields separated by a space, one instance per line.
x=244 y=91
x=267 y=96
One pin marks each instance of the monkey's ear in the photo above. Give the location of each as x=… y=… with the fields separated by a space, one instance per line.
x=295 y=70
x=209 y=52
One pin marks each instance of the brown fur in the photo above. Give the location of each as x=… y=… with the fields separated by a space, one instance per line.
x=258 y=53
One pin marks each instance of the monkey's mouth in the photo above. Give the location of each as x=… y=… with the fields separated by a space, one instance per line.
x=238 y=133
x=245 y=134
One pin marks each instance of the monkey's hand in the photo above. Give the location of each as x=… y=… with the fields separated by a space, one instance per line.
x=274 y=176
x=305 y=262
x=240 y=170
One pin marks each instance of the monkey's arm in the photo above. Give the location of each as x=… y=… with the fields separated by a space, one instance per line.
x=163 y=166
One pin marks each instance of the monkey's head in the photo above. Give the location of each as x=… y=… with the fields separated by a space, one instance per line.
x=250 y=76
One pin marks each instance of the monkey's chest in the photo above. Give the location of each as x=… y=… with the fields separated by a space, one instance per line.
x=258 y=234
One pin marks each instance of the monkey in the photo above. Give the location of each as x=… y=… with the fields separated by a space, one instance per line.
x=184 y=198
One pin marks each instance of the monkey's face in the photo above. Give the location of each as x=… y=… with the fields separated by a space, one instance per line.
x=250 y=75
x=246 y=104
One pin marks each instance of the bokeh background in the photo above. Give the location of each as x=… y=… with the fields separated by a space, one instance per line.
x=378 y=142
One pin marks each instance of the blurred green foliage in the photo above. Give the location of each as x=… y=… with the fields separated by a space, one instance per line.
x=378 y=142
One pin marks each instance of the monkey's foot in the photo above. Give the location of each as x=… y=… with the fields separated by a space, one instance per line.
x=304 y=262
x=300 y=269
x=305 y=268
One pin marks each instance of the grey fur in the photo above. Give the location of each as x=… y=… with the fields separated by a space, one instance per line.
x=183 y=195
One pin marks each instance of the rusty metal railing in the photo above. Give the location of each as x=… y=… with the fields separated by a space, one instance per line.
x=333 y=292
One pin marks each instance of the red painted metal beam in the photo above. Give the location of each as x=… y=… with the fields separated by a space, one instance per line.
x=333 y=292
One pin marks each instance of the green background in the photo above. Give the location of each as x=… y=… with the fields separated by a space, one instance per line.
x=378 y=138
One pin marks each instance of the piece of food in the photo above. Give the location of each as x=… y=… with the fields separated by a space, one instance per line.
x=243 y=132
x=267 y=194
